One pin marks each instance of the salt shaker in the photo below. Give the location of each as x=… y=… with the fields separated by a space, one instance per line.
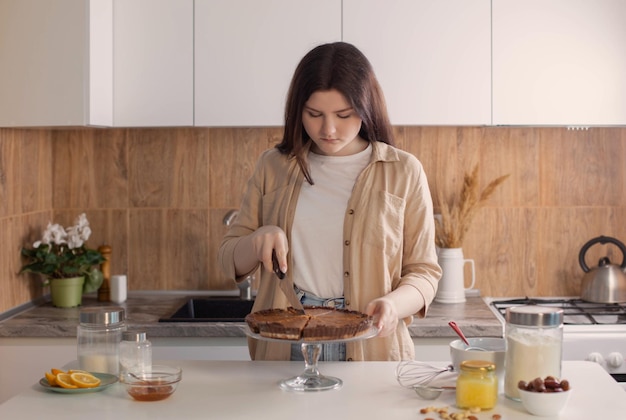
x=98 y=335
x=118 y=287
x=534 y=345
x=135 y=352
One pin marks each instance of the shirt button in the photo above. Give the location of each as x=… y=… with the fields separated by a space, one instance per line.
x=349 y=359
x=346 y=274
x=351 y=211
x=347 y=242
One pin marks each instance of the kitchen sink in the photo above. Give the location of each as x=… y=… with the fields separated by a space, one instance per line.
x=212 y=309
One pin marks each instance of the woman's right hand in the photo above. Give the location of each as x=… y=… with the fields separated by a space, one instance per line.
x=267 y=239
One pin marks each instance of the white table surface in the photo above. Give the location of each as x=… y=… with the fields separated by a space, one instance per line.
x=249 y=390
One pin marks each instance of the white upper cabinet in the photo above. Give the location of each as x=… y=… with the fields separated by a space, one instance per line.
x=246 y=52
x=43 y=59
x=559 y=62
x=432 y=58
x=153 y=63
x=96 y=62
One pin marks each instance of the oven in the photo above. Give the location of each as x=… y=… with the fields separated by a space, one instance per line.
x=591 y=331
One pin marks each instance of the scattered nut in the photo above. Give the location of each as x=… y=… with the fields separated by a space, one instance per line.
x=445 y=414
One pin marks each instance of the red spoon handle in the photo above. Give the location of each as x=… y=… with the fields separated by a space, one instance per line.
x=458 y=331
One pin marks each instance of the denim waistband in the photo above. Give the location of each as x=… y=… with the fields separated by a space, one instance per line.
x=311 y=299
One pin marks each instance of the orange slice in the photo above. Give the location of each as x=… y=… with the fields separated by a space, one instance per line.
x=55 y=371
x=84 y=380
x=65 y=381
x=51 y=379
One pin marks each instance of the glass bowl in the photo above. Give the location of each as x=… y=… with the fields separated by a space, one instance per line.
x=154 y=385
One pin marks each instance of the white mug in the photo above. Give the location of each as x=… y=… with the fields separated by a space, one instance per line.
x=452 y=284
x=118 y=286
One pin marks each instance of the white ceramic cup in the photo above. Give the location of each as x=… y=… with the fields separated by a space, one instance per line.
x=451 y=287
x=118 y=286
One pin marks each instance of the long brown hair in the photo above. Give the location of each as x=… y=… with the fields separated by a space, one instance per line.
x=340 y=66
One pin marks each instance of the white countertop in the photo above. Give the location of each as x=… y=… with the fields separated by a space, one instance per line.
x=248 y=390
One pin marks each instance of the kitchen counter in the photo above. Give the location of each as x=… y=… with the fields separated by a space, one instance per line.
x=247 y=390
x=143 y=310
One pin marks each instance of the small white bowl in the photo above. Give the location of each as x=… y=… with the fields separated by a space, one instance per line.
x=544 y=403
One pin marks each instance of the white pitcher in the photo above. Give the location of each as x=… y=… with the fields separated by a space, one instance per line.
x=452 y=284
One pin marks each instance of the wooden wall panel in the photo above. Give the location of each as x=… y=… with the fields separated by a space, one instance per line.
x=502 y=243
x=158 y=197
x=25 y=171
x=18 y=231
x=168 y=249
x=168 y=168
x=90 y=169
x=582 y=168
x=233 y=155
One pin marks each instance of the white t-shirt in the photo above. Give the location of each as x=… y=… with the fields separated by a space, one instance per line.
x=317 y=232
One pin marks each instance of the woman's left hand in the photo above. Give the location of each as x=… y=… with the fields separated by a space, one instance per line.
x=385 y=315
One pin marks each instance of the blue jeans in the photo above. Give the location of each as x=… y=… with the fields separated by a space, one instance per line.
x=331 y=351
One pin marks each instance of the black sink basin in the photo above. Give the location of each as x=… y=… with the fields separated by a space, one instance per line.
x=213 y=309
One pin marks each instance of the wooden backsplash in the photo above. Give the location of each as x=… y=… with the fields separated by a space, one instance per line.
x=158 y=197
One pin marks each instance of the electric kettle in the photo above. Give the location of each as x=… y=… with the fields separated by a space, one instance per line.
x=605 y=283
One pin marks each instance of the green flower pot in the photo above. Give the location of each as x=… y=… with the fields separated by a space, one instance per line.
x=67 y=293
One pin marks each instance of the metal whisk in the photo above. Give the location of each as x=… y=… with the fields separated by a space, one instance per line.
x=410 y=373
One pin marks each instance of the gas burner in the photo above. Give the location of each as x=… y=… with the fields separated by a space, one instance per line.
x=575 y=311
x=592 y=331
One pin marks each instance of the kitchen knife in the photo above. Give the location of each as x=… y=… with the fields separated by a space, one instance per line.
x=286 y=287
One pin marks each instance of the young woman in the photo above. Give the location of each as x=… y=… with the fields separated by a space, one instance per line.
x=348 y=215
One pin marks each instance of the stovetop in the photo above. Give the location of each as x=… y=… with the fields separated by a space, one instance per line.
x=575 y=311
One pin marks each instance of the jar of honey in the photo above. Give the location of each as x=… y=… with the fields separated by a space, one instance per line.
x=477 y=385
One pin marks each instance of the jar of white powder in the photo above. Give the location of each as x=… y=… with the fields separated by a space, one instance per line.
x=98 y=337
x=534 y=345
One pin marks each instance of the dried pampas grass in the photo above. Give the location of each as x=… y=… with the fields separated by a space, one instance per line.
x=457 y=215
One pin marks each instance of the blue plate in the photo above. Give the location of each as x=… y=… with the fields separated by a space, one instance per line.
x=106 y=380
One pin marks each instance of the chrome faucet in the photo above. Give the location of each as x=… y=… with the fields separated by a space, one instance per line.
x=245 y=285
x=245 y=288
x=230 y=217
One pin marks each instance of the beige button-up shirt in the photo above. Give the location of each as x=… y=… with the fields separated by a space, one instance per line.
x=388 y=241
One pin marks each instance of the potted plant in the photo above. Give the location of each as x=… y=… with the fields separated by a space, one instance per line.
x=65 y=263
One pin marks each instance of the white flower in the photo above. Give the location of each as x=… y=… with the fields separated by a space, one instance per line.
x=81 y=221
x=54 y=234
x=79 y=233
x=82 y=225
x=73 y=238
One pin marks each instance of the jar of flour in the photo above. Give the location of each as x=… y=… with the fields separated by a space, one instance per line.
x=534 y=345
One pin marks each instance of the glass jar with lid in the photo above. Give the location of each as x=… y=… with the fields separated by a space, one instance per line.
x=98 y=338
x=135 y=352
x=477 y=385
x=534 y=345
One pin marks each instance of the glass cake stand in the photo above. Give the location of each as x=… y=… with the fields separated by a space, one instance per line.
x=311 y=379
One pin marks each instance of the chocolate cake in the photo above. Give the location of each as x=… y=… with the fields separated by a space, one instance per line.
x=317 y=324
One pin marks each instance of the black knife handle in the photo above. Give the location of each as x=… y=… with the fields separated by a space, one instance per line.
x=276 y=267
